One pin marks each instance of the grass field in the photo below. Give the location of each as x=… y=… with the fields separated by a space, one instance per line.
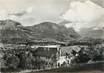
x=97 y=67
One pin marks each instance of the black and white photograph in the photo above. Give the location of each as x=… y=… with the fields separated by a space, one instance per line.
x=51 y=36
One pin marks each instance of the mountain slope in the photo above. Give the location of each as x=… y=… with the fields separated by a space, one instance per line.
x=49 y=30
x=91 y=33
x=13 y=32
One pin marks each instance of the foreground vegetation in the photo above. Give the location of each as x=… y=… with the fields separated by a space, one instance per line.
x=22 y=58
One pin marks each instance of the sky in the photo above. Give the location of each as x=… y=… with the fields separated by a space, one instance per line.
x=31 y=12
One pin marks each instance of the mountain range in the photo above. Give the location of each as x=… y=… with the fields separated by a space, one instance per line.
x=92 y=33
x=13 y=32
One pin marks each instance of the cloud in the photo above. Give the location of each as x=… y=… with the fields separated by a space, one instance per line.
x=21 y=12
x=29 y=10
x=84 y=14
x=23 y=15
